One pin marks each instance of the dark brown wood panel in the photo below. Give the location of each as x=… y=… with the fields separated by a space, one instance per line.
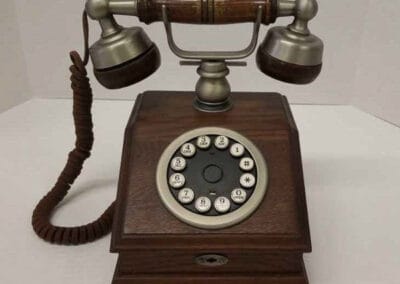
x=249 y=268
x=210 y=277
x=138 y=262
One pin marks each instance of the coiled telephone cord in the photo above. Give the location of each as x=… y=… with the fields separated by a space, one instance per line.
x=82 y=103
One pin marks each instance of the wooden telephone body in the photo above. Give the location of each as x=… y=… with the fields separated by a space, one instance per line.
x=155 y=247
x=211 y=185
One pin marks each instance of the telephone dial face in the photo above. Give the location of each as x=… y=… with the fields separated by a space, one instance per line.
x=211 y=177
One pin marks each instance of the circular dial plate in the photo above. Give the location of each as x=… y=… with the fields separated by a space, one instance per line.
x=212 y=172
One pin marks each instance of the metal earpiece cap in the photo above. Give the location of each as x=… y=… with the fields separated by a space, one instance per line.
x=119 y=47
x=123 y=56
x=292 y=54
x=288 y=46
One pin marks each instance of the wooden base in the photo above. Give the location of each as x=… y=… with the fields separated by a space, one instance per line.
x=299 y=277
x=220 y=279
x=155 y=247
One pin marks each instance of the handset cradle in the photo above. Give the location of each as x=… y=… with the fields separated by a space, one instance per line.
x=212 y=88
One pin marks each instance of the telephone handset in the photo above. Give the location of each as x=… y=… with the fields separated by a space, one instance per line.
x=230 y=174
x=125 y=56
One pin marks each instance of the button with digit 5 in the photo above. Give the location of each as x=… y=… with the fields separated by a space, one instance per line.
x=178 y=164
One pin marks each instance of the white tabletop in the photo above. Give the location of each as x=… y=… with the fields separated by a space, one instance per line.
x=352 y=173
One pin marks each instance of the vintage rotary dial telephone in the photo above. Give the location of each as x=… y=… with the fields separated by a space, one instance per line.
x=211 y=186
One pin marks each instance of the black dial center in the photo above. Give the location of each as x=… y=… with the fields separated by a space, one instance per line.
x=212 y=173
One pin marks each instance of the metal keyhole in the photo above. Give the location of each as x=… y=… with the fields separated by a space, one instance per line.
x=211 y=260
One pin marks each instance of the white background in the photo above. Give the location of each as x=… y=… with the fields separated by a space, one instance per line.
x=361 y=64
x=351 y=164
x=351 y=160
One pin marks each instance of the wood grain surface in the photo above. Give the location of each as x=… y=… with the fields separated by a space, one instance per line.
x=207 y=11
x=149 y=238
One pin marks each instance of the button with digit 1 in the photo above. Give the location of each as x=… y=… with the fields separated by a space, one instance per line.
x=237 y=150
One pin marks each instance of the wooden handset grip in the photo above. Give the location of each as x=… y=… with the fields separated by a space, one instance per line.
x=207 y=11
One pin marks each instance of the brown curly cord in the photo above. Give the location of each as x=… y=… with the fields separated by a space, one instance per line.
x=82 y=102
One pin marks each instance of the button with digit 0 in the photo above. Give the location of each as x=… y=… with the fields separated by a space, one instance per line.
x=238 y=195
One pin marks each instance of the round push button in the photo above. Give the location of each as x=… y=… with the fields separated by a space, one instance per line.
x=222 y=204
x=203 y=204
x=186 y=195
x=247 y=180
x=188 y=150
x=178 y=164
x=238 y=196
x=177 y=180
x=221 y=142
x=212 y=173
x=203 y=142
x=237 y=150
x=246 y=164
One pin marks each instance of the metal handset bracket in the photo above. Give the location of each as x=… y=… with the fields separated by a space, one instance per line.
x=212 y=89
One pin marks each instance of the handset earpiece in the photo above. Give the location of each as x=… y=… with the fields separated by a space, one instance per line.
x=292 y=54
x=122 y=56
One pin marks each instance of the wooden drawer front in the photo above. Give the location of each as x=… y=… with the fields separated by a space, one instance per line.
x=137 y=262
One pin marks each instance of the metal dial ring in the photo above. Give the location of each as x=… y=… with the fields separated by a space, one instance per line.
x=211 y=222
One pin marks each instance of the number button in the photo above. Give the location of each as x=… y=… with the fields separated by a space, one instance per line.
x=238 y=195
x=237 y=150
x=222 y=204
x=203 y=204
x=186 y=195
x=188 y=150
x=247 y=180
x=221 y=142
x=246 y=164
x=203 y=142
x=177 y=180
x=178 y=164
